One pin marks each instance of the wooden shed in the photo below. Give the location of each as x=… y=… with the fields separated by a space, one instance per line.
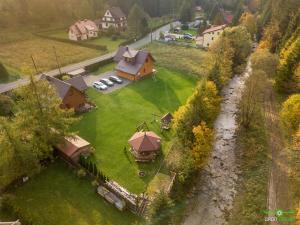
x=73 y=148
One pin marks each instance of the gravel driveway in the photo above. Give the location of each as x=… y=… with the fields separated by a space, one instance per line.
x=90 y=79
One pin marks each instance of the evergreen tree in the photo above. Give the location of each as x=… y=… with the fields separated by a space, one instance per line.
x=41 y=117
x=17 y=157
x=3 y=72
x=137 y=22
x=289 y=61
x=186 y=11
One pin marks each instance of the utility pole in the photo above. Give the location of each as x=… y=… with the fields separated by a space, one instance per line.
x=58 y=65
x=34 y=64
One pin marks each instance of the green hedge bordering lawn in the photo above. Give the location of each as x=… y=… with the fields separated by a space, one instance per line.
x=82 y=44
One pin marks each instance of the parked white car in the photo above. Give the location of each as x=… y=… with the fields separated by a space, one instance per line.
x=99 y=86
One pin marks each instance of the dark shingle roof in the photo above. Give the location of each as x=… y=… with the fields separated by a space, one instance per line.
x=62 y=87
x=116 y=12
x=131 y=67
x=78 y=83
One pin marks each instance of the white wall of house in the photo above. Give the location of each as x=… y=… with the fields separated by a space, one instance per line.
x=92 y=34
x=209 y=38
x=109 y=21
x=72 y=36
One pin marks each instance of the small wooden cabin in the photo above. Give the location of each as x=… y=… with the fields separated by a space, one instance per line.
x=71 y=92
x=133 y=64
x=72 y=148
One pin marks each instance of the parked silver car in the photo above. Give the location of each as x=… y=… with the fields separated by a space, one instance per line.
x=99 y=86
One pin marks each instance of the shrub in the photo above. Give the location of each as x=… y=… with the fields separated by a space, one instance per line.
x=95 y=183
x=81 y=173
x=6 y=105
x=185 y=26
x=114 y=37
x=65 y=77
x=160 y=210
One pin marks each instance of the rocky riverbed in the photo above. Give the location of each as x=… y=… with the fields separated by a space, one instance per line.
x=214 y=194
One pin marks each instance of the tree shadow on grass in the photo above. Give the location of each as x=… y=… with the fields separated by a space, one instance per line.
x=158 y=92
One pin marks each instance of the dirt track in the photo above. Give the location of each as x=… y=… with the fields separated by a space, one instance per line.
x=217 y=186
x=278 y=179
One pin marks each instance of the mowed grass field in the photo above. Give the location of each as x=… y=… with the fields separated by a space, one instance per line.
x=58 y=196
x=187 y=60
x=118 y=115
x=17 y=54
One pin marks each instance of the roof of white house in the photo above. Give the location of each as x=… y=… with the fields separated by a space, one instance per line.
x=117 y=12
x=84 y=26
x=216 y=28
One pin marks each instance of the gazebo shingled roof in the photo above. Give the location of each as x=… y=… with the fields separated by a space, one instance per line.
x=145 y=141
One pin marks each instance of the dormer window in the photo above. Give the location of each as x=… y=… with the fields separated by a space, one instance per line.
x=129 y=60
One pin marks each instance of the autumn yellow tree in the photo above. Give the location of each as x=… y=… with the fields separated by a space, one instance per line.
x=202 y=144
x=296 y=144
x=203 y=105
x=222 y=61
x=298 y=216
x=248 y=20
x=263 y=60
x=290 y=112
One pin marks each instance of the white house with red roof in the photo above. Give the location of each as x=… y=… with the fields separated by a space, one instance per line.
x=83 y=30
x=211 y=34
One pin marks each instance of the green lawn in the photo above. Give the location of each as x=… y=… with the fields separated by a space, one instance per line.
x=193 y=32
x=110 y=126
x=58 y=196
x=106 y=68
x=108 y=42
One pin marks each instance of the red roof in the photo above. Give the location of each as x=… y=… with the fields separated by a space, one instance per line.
x=72 y=145
x=216 y=28
x=145 y=141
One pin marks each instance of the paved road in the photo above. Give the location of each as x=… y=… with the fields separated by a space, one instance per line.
x=138 y=44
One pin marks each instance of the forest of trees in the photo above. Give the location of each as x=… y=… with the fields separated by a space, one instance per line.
x=43 y=13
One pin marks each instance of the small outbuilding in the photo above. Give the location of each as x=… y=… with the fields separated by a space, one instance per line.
x=166 y=121
x=73 y=148
x=145 y=146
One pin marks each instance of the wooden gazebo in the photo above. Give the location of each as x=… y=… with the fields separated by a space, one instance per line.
x=145 y=146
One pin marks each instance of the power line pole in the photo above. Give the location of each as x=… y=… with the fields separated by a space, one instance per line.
x=34 y=64
x=58 y=65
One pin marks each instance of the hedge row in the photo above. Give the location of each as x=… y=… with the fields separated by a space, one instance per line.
x=95 y=66
x=82 y=44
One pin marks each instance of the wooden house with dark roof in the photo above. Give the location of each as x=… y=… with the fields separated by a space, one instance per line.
x=133 y=64
x=71 y=92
